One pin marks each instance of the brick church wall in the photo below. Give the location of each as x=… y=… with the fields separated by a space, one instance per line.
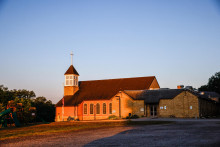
x=184 y=105
x=94 y=116
x=128 y=105
x=70 y=90
x=68 y=111
x=138 y=107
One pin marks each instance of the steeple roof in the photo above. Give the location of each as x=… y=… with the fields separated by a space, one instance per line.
x=71 y=70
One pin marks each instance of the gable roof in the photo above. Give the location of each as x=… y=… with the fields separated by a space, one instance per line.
x=153 y=96
x=105 y=89
x=71 y=70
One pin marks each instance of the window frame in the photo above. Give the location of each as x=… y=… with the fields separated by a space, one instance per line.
x=97 y=108
x=91 y=108
x=104 y=108
x=69 y=80
x=110 y=108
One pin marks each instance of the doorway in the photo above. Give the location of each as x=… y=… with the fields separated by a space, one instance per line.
x=153 y=110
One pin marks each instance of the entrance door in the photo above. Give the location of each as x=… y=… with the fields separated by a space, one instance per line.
x=153 y=110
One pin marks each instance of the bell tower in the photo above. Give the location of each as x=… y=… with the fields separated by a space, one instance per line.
x=71 y=80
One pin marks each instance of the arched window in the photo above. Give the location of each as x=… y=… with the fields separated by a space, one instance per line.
x=91 y=108
x=97 y=108
x=85 y=108
x=110 y=108
x=104 y=108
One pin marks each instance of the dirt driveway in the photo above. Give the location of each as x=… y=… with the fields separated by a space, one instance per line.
x=180 y=133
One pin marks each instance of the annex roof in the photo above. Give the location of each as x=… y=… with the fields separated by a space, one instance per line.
x=71 y=70
x=105 y=89
x=153 y=96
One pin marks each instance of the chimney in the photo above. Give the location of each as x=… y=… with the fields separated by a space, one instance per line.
x=180 y=86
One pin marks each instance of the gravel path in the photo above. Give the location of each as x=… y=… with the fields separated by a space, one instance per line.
x=181 y=133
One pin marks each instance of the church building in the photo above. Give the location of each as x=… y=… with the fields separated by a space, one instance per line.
x=98 y=99
x=142 y=96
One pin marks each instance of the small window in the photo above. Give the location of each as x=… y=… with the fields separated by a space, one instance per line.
x=104 y=108
x=161 y=108
x=191 y=107
x=85 y=108
x=110 y=108
x=91 y=108
x=69 y=80
x=165 y=107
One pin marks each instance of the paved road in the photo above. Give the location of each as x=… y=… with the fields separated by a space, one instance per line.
x=181 y=133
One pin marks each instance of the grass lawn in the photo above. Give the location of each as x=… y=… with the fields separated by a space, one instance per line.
x=55 y=127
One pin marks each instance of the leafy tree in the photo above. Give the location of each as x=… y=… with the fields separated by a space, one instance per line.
x=45 y=109
x=2 y=108
x=5 y=95
x=25 y=115
x=213 y=84
x=23 y=93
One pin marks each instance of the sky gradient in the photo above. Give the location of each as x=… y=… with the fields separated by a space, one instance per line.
x=176 y=41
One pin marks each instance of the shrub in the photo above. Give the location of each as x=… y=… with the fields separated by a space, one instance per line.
x=172 y=116
x=113 y=117
x=70 y=118
x=133 y=117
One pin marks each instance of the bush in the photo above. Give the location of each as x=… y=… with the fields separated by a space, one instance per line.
x=133 y=117
x=172 y=116
x=70 y=118
x=113 y=117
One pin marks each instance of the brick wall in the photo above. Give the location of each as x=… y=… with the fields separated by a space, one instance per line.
x=94 y=116
x=68 y=111
x=128 y=105
x=138 y=107
x=70 y=90
x=184 y=105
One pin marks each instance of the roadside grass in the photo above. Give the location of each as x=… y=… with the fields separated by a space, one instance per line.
x=57 y=127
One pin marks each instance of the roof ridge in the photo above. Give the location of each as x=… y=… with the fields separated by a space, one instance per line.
x=117 y=79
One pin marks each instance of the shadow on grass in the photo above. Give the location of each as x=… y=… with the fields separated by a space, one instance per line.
x=58 y=127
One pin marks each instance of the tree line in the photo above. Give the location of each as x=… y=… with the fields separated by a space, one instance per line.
x=45 y=110
x=213 y=84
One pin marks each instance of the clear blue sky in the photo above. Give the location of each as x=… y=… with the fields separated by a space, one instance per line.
x=176 y=41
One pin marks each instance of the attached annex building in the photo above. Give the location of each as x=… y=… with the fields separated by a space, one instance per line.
x=99 y=99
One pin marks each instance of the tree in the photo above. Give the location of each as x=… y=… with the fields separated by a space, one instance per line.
x=45 y=109
x=23 y=93
x=2 y=108
x=213 y=84
x=5 y=95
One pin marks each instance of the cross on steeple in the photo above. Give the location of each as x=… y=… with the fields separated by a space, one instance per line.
x=71 y=57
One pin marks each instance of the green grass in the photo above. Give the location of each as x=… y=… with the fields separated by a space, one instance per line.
x=56 y=127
